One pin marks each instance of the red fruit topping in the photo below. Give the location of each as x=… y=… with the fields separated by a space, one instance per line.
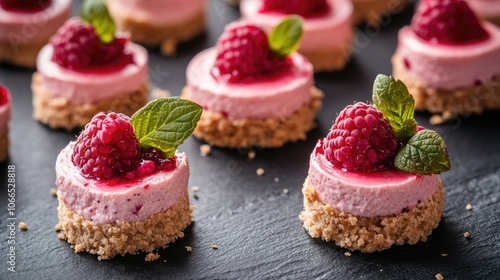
x=244 y=55
x=305 y=8
x=360 y=140
x=24 y=5
x=4 y=95
x=107 y=147
x=152 y=160
x=77 y=47
x=447 y=22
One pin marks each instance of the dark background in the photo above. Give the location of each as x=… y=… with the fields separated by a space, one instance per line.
x=252 y=220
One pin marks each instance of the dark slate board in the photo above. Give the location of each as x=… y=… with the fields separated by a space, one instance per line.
x=254 y=223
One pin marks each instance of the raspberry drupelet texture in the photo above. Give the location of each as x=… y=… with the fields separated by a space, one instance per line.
x=307 y=8
x=77 y=47
x=447 y=22
x=25 y=5
x=107 y=147
x=244 y=55
x=360 y=140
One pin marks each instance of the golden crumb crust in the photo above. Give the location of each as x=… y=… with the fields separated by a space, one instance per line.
x=330 y=58
x=372 y=11
x=370 y=234
x=449 y=103
x=120 y=238
x=168 y=37
x=4 y=145
x=58 y=112
x=23 y=54
x=217 y=130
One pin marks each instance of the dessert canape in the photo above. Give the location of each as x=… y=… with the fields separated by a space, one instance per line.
x=86 y=69
x=373 y=181
x=371 y=11
x=5 y=106
x=255 y=91
x=328 y=31
x=163 y=23
x=449 y=60
x=122 y=185
x=26 y=26
x=488 y=10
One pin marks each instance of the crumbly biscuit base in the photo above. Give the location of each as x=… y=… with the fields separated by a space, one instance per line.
x=449 y=103
x=59 y=112
x=168 y=37
x=370 y=234
x=4 y=145
x=371 y=11
x=217 y=130
x=120 y=238
x=22 y=54
x=330 y=58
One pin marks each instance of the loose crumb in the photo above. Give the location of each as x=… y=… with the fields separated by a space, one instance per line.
x=215 y=247
x=439 y=276
x=276 y=179
x=189 y=248
x=436 y=119
x=260 y=171
x=468 y=206
x=61 y=236
x=205 y=150
x=53 y=192
x=444 y=255
x=23 y=226
x=152 y=257
x=159 y=93
x=58 y=227
x=285 y=191
x=251 y=155
x=466 y=234
x=347 y=253
x=195 y=188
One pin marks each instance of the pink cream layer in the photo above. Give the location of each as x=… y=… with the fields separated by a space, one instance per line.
x=371 y=194
x=450 y=66
x=5 y=116
x=275 y=98
x=332 y=29
x=122 y=201
x=157 y=12
x=17 y=28
x=485 y=8
x=82 y=88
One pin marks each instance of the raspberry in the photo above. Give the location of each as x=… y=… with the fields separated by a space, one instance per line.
x=4 y=95
x=107 y=147
x=360 y=140
x=77 y=47
x=152 y=160
x=307 y=8
x=244 y=55
x=447 y=22
x=25 y=5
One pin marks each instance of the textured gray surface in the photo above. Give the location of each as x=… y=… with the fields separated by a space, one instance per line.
x=250 y=218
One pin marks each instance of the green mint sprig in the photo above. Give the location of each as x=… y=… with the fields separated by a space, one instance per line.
x=285 y=38
x=96 y=14
x=422 y=152
x=165 y=123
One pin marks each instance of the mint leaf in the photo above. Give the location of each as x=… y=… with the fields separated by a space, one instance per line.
x=96 y=14
x=424 y=154
x=406 y=131
x=285 y=37
x=392 y=98
x=165 y=123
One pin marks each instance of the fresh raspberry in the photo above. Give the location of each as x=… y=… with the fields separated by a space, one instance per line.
x=309 y=8
x=244 y=55
x=447 y=22
x=360 y=140
x=107 y=147
x=152 y=160
x=24 y=5
x=77 y=47
x=4 y=95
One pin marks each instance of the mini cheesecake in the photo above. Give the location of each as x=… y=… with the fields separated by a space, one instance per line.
x=449 y=78
x=328 y=35
x=5 y=107
x=68 y=98
x=371 y=11
x=488 y=10
x=26 y=27
x=164 y=23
